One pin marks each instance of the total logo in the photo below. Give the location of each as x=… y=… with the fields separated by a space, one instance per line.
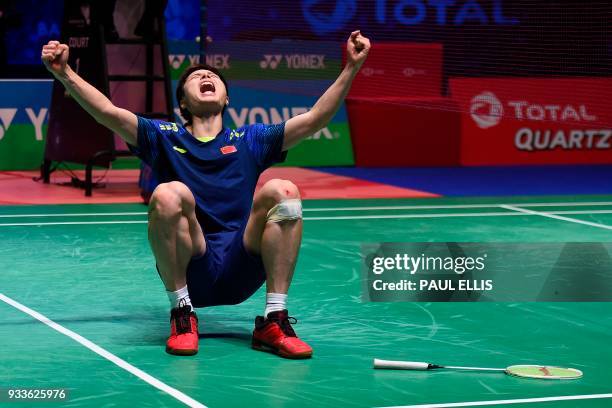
x=446 y=12
x=407 y=71
x=37 y=119
x=487 y=111
x=293 y=61
x=410 y=72
x=219 y=61
x=369 y=71
x=324 y=18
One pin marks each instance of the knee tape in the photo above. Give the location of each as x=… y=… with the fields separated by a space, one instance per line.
x=286 y=210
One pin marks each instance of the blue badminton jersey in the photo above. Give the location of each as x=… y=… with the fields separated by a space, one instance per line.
x=221 y=173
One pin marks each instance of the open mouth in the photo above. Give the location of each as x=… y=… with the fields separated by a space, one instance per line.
x=207 y=88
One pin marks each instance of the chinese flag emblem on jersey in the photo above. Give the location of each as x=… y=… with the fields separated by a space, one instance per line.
x=228 y=149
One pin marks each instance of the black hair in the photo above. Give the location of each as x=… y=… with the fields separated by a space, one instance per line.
x=180 y=91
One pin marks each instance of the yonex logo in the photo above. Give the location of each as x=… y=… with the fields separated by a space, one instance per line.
x=270 y=61
x=219 y=61
x=305 y=61
x=236 y=134
x=6 y=117
x=176 y=60
x=294 y=61
x=486 y=110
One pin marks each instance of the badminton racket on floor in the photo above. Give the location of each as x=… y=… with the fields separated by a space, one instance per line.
x=524 y=370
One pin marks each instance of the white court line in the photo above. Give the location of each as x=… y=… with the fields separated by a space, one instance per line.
x=556 y=217
x=510 y=401
x=581 y=212
x=445 y=215
x=373 y=208
x=361 y=217
x=570 y=204
x=451 y=206
x=71 y=214
x=104 y=353
x=25 y=224
x=400 y=216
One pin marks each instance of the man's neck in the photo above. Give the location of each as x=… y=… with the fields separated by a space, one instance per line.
x=207 y=126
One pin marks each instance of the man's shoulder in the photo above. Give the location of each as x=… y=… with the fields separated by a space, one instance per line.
x=160 y=124
x=253 y=129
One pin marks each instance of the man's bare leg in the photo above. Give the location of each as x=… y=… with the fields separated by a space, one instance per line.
x=277 y=241
x=174 y=233
x=175 y=237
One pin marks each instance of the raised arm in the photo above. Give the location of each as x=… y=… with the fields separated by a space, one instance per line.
x=323 y=111
x=121 y=121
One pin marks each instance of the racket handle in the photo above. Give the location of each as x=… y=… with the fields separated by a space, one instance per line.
x=402 y=365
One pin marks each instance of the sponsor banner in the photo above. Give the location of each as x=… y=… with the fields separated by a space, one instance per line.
x=24 y=116
x=331 y=146
x=534 y=121
x=24 y=104
x=261 y=59
x=395 y=19
x=487 y=272
x=24 y=108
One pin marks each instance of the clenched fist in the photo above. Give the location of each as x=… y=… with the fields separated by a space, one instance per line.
x=55 y=57
x=357 y=48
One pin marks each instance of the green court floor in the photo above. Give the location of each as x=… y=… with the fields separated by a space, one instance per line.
x=89 y=270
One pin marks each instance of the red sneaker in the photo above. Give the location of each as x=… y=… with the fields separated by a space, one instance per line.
x=183 y=340
x=275 y=334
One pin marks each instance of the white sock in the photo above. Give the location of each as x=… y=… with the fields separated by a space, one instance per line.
x=275 y=302
x=179 y=297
